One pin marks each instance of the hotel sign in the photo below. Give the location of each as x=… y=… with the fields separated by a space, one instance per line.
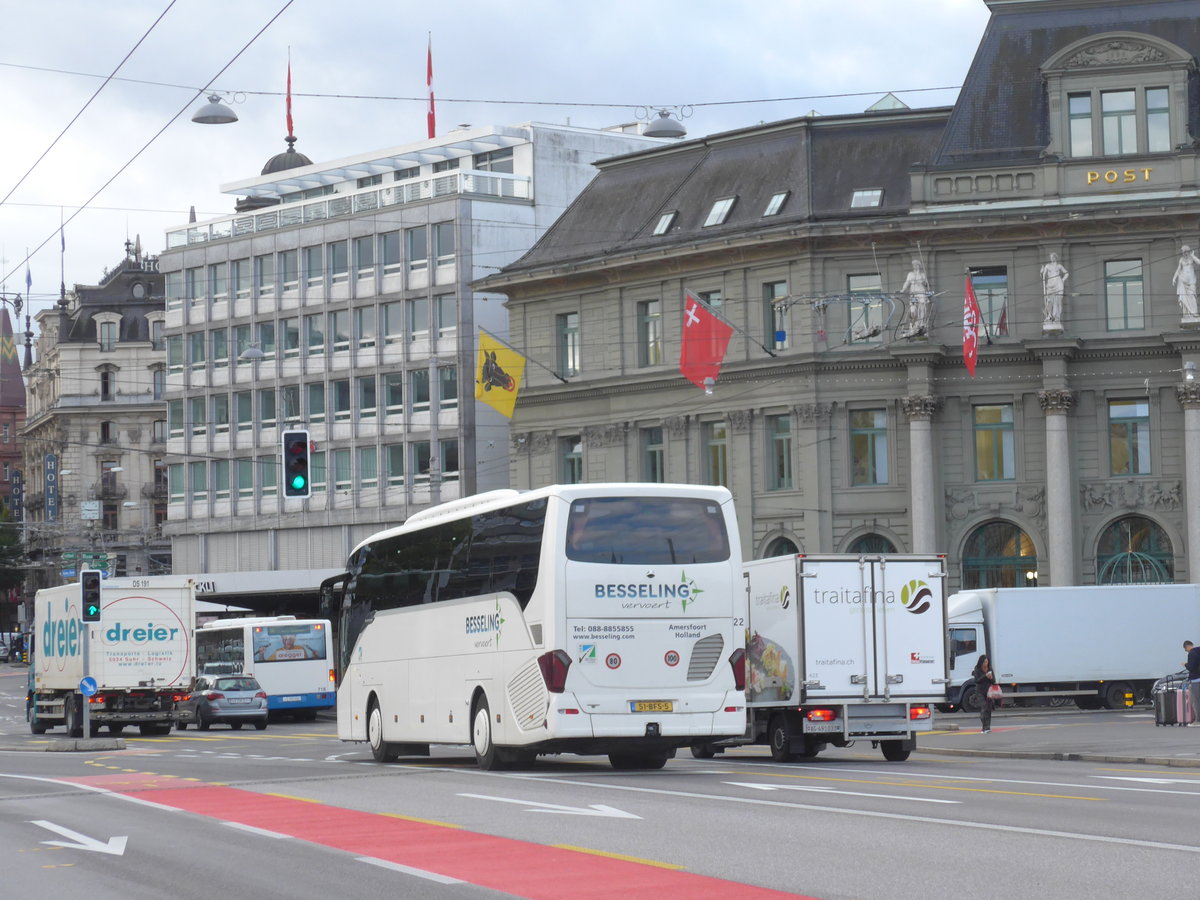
x=50 y=476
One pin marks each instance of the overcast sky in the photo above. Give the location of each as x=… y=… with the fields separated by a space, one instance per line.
x=592 y=64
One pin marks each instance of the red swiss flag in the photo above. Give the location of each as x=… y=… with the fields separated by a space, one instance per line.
x=705 y=340
x=971 y=318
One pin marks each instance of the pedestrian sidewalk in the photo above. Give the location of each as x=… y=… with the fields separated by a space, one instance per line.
x=1115 y=736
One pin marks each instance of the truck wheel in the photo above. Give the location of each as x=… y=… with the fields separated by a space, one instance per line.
x=72 y=721
x=970 y=700
x=115 y=729
x=1088 y=702
x=894 y=751
x=1114 y=695
x=780 y=740
x=703 y=751
x=383 y=752
x=37 y=727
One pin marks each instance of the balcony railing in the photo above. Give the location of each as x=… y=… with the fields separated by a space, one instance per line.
x=487 y=184
x=109 y=490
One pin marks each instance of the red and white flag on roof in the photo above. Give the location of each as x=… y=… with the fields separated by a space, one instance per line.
x=971 y=319
x=705 y=340
x=430 y=116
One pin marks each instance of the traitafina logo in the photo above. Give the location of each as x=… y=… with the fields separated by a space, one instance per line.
x=915 y=596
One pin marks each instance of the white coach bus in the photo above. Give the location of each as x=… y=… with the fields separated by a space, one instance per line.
x=594 y=619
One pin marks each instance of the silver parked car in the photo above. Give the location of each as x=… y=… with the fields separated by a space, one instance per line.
x=234 y=699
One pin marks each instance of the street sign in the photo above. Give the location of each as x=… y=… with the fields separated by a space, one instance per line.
x=70 y=555
x=87 y=686
x=89 y=510
x=68 y=573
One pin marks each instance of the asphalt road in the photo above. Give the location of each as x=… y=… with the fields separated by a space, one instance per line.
x=226 y=813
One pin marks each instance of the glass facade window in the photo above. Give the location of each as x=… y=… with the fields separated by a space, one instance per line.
x=176 y=483
x=197 y=350
x=779 y=453
x=268 y=474
x=245 y=478
x=650 y=336
x=368 y=467
x=339 y=330
x=264 y=276
x=175 y=421
x=393 y=322
x=314 y=267
x=448 y=387
x=193 y=286
x=418 y=394
x=218 y=281
x=198 y=476
x=418 y=318
x=775 y=314
x=1129 y=437
x=243 y=406
x=220 y=479
x=219 y=404
x=364 y=256
x=991 y=291
x=448 y=449
x=289 y=269
x=570 y=459
x=365 y=327
x=393 y=392
x=394 y=460
x=266 y=408
x=158 y=376
x=995 y=455
x=443 y=243
x=316 y=401
x=289 y=404
x=220 y=349
x=868 y=447
x=1158 y=120
x=1123 y=294
x=196 y=414
x=654 y=464
x=390 y=256
x=566 y=326
x=716 y=453
x=290 y=332
x=314 y=335
x=417 y=244
x=239 y=278
x=446 y=309
x=175 y=354
x=1079 y=119
x=266 y=339
x=1118 y=114
x=367 y=402
x=318 y=471
x=338 y=254
x=241 y=343
x=339 y=396
x=422 y=460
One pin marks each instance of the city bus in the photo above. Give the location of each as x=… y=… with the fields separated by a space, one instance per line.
x=293 y=659
x=591 y=619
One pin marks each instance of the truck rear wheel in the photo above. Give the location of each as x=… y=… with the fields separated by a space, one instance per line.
x=1114 y=695
x=72 y=719
x=894 y=751
x=970 y=699
x=780 y=740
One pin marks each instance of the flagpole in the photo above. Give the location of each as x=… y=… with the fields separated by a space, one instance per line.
x=747 y=335
x=526 y=358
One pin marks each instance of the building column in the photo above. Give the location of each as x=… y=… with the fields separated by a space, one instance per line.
x=919 y=408
x=1188 y=394
x=1060 y=511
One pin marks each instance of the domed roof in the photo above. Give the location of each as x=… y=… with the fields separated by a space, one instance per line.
x=288 y=159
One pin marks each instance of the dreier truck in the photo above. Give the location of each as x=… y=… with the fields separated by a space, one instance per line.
x=1095 y=645
x=843 y=648
x=141 y=656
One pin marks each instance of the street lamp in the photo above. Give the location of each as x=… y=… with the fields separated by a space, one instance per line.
x=1031 y=578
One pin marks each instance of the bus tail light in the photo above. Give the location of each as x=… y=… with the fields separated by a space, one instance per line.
x=737 y=661
x=332 y=676
x=554 y=667
x=820 y=714
x=919 y=712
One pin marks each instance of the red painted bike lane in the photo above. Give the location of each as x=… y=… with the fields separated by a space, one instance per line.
x=520 y=868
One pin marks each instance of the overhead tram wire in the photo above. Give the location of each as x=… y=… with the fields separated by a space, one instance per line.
x=110 y=77
x=199 y=93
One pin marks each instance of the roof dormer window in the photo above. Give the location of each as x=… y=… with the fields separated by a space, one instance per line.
x=866 y=197
x=775 y=204
x=719 y=212
x=665 y=221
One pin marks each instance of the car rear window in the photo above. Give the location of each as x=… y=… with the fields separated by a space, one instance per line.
x=235 y=684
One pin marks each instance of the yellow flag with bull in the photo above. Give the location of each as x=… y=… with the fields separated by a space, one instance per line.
x=498 y=374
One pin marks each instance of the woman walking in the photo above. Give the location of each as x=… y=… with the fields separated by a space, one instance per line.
x=984 y=679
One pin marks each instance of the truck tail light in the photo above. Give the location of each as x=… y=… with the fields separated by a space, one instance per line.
x=820 y=714
x=919 y=712
x=737 y=662
x=554 y=667
x=214 y=695
x=180 y=698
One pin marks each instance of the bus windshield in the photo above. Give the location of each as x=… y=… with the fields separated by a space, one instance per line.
x=646 y=531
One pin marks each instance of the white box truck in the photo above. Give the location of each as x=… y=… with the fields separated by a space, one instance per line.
x=843 y=648
x=141 y=656
x=1098 y=645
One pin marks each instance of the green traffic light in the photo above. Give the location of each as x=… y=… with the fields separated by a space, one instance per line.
x=298 y=482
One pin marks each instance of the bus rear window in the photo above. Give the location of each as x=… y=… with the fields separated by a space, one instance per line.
x=646 y=531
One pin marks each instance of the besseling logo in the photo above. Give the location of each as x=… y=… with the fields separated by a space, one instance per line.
x=915 y=596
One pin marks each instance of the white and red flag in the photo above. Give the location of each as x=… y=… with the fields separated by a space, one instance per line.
x=705 y=340
x=971 y=319
x=430 y=117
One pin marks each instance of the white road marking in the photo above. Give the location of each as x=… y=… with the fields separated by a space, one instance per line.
x=259 y=831
x=596 y=809
x=76 y=841
x=409 y=870
x=830 y=790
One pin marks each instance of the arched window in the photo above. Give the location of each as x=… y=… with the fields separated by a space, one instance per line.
x=781 y=546
x=998 y=554
x=869 y=544
x=1134 y=550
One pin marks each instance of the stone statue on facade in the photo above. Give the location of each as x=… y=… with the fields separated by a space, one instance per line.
x=1184 y=280
x=920 y=300
x=1054 y=284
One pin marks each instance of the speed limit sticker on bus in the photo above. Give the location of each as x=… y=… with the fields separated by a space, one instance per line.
x=613 y=660
x=671 y=658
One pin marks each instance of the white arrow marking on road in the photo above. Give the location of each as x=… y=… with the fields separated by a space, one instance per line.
x=596 y=809
x=1191 y=781
x=114 y=845
x=828 y=790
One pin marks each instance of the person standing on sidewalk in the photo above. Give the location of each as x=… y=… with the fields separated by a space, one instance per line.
x=1192 y=664
x=984 y=679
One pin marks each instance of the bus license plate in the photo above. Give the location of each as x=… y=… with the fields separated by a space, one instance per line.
x=290 y=699
x=650 y=706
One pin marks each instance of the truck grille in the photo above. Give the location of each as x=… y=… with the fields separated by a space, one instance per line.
x=706 y=653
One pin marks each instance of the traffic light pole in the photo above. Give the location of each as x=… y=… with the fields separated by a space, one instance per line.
x=87 y=713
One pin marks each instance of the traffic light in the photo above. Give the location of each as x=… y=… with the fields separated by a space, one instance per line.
x=295 y=464
x=89 y=582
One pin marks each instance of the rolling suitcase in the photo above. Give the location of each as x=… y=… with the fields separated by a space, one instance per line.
x=1172 y=704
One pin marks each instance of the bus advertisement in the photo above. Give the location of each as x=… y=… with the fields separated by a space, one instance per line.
x=592 y=619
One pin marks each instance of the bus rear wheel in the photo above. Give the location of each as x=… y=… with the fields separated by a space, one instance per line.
x=380 y=749
x=486 y=755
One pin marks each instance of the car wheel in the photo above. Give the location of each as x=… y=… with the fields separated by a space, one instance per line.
x=261 y=724
x=182 y=726
x=203 y=722
x=236 y=726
